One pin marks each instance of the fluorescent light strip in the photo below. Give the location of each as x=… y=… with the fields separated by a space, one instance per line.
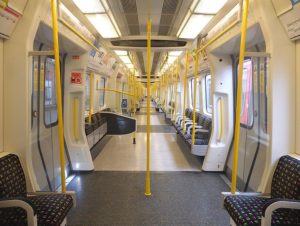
x=209 y=7
x=121 y=52
x=194 y=26
x=103 y=25
x=175 y=53
x=89 y=6
x=125 y=59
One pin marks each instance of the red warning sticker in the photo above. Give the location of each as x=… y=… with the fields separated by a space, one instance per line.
x=76 y=77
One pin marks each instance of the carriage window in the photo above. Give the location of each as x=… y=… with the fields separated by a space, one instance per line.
x=50 y=106
x=208 y=96
x=101 y=84
x=247 y=95
x=197 y=92
x=87 y=92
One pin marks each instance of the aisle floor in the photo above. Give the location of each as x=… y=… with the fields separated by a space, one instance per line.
x=114 y=193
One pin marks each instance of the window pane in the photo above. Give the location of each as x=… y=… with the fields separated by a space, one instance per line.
x=50 y=107
x=102 y=93
x=247 y=95
x=208 y=96
x=87 y=92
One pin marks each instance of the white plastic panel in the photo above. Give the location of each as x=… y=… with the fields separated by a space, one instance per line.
x=8 y=20
x=17 y=5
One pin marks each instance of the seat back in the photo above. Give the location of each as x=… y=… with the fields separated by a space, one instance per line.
x=286 y=179
x=12 y=178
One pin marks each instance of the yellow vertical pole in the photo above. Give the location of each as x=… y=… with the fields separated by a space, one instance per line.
x=184 y=87
x=148 y=190
x=194 y=97
x=239 y=94
x=75 y=119
x=134 y=102
x=58 y=96
x=167 y=91
x=91 y=98
x=176 y=86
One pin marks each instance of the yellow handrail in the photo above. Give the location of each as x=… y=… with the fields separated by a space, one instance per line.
x=58 y=96
x=91 y=98
x=79 y=35
x=114 y=90
x=219 y=35
x=221 y=119
x=75 y=119
x=147 y=187
x=194 y=97
x=184 y=87
x=239 y=95
x=176 y=86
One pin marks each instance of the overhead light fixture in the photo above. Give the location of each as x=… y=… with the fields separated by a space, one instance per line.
x=175 y=53
x=129 y=66
x=103 y=25
x=209 y=7
x=121 y=52
x=89 y=6
x=194 y=26
x=125 y=59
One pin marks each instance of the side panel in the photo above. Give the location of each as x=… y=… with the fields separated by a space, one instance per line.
x=1 y=95
x=298 y=96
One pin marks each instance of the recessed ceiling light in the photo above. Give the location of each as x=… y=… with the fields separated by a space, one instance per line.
x=103 y=25
x=121 y=52
x=209 y=6
x=175 y=53
x=89 y=6
x=194 y=26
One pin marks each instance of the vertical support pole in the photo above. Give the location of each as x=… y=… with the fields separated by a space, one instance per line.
x=91 y=98
x=134 y=103
x=239 y=94
x=148 y=189
x=184 y=87
x=58 y=95
x=175 y=91
x=195 y=94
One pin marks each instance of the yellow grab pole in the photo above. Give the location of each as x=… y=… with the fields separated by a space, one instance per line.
x=184 y=88
x=239 y=94
x=194 y=97
x=175 y=91
x=91 y=98
x=75 y=119
x=148 y=189
x=134 y=102
x=115 y=90
x=58 y=96
x=167 y=91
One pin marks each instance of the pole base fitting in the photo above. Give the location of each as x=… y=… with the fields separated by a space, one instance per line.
x=134 y=141
x=148 y=194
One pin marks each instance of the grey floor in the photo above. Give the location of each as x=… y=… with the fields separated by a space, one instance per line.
x=114 y=193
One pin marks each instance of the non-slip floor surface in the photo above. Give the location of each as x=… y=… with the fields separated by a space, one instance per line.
x=156 y=129
x=178 y=198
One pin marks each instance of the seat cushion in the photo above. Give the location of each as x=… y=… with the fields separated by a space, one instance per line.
x=51 y=211
x=199 y=141
x=247 y=210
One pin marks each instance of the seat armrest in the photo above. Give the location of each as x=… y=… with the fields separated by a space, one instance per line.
x=23 y=203
x=196 y=128
x=201 y=130
x=275 y=204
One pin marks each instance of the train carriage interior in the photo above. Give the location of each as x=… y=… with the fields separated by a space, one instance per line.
x=149 y=112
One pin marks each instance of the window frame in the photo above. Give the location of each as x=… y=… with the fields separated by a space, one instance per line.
x=52 y=124
x=251 y=101
x=207 y=78
x=103 y=96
